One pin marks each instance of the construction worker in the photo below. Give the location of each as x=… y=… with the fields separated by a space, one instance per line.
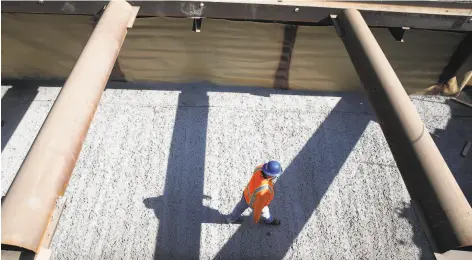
x=258 y=194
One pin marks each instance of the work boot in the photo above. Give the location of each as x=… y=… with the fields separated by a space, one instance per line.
x=275 y=222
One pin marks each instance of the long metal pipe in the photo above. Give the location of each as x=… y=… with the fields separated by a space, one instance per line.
x=46 y=171
x=423 y=169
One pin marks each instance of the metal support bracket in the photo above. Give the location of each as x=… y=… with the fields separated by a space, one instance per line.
x=197 y=24
x=339 y=30
x=398 y=32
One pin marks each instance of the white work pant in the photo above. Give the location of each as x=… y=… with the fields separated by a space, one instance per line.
x=242 y=206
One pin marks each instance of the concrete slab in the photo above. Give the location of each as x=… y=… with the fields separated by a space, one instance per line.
x=161 y=163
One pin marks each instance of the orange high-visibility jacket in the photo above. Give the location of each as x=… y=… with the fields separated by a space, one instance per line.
x=258 y=193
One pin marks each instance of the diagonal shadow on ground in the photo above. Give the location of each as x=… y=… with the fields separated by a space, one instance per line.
x=407 y=211
x=180 y=209
x=301 y=187
x=15 y=104
x=451 y=142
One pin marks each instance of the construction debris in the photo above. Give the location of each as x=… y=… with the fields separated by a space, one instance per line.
x=466 y=149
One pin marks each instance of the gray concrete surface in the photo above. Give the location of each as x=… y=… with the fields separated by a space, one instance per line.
x=161 y=163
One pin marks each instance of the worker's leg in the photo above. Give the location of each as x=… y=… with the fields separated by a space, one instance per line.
x=266 y=215
x=238 y=210
x=268 y=218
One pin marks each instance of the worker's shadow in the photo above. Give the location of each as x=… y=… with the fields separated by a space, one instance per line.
x=163 y=206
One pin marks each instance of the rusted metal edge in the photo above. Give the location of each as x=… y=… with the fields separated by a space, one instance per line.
x=44 y=251
x=53 y=222
x=426 y=175
x=47 y=168
x=310 y=13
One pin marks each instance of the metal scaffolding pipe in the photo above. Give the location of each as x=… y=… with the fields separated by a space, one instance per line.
x=423 y=169
x=46 y=171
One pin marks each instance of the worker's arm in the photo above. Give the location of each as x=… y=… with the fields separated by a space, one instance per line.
x=261 y=200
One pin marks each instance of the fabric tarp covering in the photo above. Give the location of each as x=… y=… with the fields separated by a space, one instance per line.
x=232 y=53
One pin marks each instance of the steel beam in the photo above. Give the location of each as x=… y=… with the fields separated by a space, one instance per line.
x=46 y=171
x=413 y=14
x=423 y=169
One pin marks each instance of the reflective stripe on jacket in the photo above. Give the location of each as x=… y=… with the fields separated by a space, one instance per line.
x=259 y=192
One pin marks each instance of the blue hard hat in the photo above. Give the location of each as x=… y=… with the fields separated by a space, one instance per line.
x=272 y=168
